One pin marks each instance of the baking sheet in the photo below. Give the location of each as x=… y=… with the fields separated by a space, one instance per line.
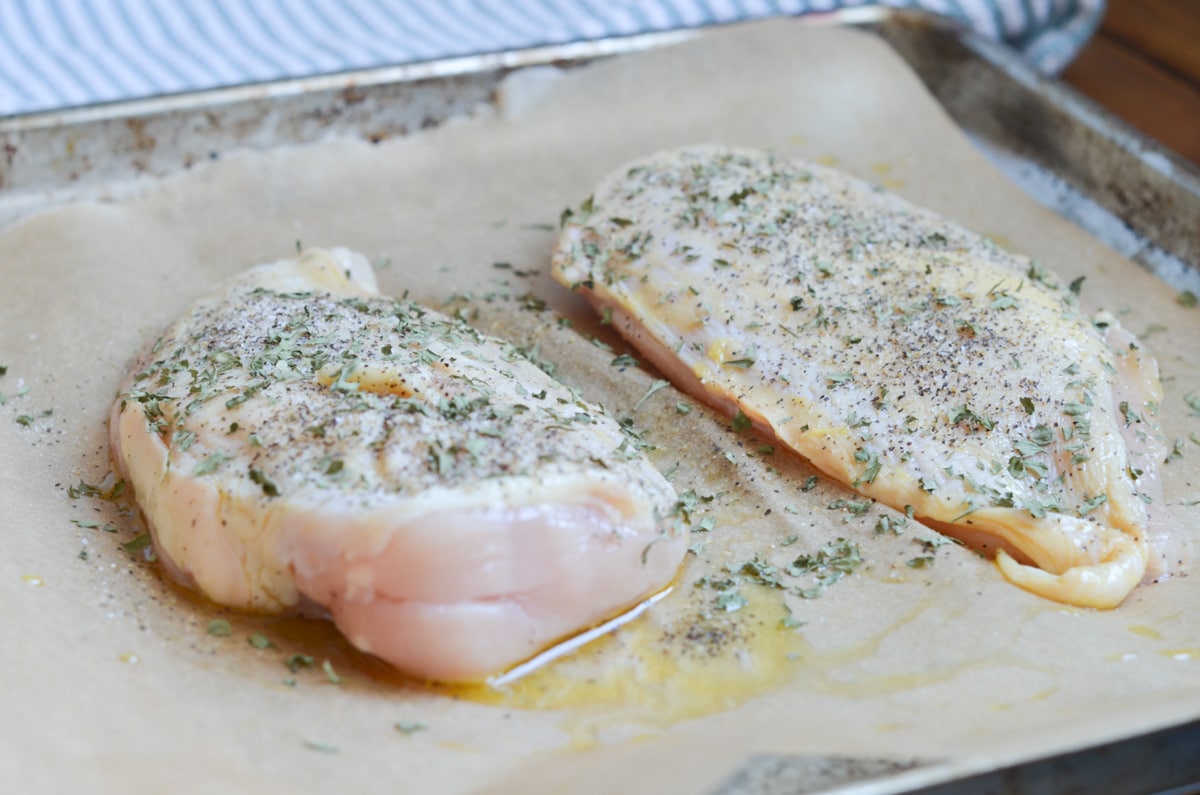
x=114 y=678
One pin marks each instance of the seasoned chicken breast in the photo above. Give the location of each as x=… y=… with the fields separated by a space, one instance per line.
x=456 y=510
x=901 y=354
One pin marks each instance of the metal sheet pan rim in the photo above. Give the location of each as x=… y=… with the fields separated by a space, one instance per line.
x=451 y=66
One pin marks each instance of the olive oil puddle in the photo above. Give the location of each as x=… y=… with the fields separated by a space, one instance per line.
x=652 y=671
x=653 y=668
x=649 y=674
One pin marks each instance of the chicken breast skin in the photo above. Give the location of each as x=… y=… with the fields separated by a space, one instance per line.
x=298 y=438
x=901 y=354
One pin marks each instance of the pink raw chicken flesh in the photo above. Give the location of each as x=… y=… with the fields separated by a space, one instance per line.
x=456 y=510
x=903 y=355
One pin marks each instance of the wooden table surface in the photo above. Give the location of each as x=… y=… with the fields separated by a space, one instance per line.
x=1144 y=66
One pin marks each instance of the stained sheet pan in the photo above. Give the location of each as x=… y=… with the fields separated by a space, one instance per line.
x=1122 y=189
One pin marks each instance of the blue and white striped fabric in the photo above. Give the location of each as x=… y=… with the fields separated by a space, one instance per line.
x=60 y=53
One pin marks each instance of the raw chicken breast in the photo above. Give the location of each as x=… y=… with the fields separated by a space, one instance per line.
x=902 y=355
x=454 y=508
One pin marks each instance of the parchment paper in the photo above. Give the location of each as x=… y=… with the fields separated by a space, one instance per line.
x=113 y=682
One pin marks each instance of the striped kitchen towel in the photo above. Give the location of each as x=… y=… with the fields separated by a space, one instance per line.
x=62 y=53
